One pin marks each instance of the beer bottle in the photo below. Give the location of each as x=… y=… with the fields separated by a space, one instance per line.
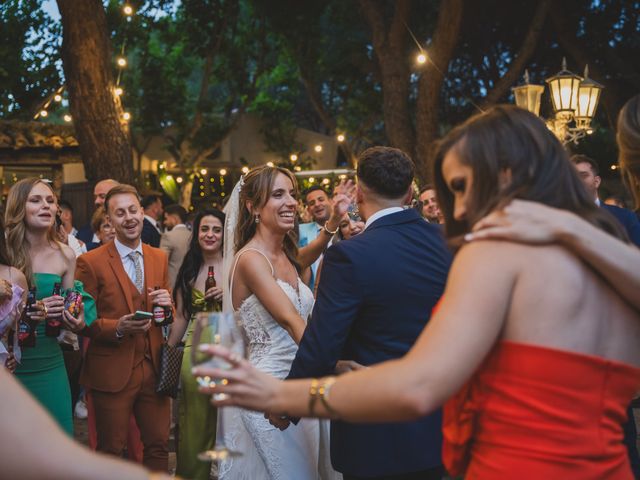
x=53 y=325
x=26 y=326
x=161 y=315
x=212 y=304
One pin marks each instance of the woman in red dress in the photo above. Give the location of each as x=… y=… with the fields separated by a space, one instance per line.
x=536 y=353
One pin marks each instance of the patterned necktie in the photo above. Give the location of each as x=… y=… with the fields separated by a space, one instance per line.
x=139 y=280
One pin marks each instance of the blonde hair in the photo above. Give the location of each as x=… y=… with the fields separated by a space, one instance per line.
x=256 y=190
x=628 y=139
x=18 y=247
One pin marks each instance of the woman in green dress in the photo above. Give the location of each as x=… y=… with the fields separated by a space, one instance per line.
x=196 y=416
x=32 y=248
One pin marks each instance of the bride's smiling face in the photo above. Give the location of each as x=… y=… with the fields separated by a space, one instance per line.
x=278 y=213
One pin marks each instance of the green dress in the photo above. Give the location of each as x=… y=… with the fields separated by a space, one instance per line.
x=197 y=418
x=42 y=370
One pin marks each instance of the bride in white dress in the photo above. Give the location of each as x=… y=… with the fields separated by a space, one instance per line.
x=273 y=305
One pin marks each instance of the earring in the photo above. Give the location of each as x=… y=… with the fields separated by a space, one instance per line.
x=257 y=218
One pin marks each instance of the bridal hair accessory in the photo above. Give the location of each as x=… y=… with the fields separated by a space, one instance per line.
x=232 y=212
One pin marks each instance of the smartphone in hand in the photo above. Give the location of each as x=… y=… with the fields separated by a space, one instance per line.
x=140 y=315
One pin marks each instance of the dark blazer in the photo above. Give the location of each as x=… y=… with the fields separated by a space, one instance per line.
x=86 y=235
x=150 y=234
x=375 y=297
x=627 y=219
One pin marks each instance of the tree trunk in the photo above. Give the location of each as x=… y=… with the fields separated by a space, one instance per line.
x=445 y=38
x=103 y=136
x=390 y=46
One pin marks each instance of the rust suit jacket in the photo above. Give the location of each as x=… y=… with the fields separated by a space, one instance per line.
x=109 y=360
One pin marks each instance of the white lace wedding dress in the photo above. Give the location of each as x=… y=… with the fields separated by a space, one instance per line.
x=268 y=453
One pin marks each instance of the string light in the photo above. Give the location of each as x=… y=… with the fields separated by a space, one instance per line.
x=245 y=169
x=67 y=118
x=342 y=177
x=203 y=171
x=318 y=148
x=126 y=116
x=293 y=157
x=127 y=9
x=122 y=62
x=421 y=58
x=118 y=91
x=325 y=181
x=340 y=138
x=57 y=97
x=169 y=177
x=270 y=164
x=312 y=180
x=297 y=168
x=179 y=179
x=614 y=167
x=223 y=171
x=43 y=113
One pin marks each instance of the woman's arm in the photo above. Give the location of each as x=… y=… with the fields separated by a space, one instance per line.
x=254 y=271
x=458 y=337
x=34 y=447
x=179 y=325
x=534 y=223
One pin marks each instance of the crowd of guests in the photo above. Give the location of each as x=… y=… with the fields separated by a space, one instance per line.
x=363 y=310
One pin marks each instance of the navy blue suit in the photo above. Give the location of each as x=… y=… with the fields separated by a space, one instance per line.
x=86 y=235
x=375 y=297
x=150 y=234
x=627 y=219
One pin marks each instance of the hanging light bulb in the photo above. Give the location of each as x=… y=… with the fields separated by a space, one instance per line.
x=270 y=164
x=340 y=138
x=121 y=61
x=43 y=113
x=245 y=169
x=318 y=148
x=57 y=97
x=127 y=9
x=421 y=58
x=179 y=179
x=203 y=171
x=67 y=118
x=118 y=91
x=293 y=157
x=126 y=116
x=223 y=171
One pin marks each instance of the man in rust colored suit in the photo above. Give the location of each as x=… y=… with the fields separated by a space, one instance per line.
x=123 y=357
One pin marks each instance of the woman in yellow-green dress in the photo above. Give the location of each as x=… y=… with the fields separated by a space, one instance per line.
x=196 y=416
x=32 y=248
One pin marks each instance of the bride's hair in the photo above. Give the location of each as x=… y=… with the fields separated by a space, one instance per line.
x=256 y=190
x=629 y=146
x=510 y=138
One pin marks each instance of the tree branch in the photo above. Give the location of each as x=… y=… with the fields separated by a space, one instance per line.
x=521 y=57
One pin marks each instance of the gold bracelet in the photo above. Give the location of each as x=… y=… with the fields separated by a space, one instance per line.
x=313 y=395
x=329 y=232
x=323 y=392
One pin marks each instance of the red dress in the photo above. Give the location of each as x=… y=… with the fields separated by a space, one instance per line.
x=533 y=412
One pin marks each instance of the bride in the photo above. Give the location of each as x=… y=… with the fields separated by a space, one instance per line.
x=273 y=305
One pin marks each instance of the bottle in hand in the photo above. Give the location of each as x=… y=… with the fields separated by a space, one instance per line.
x=212 y=304
x=26 y=326
x=161 y=315
x=52 y=325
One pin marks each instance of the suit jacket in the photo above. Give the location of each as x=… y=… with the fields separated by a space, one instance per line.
x=627 y=219
x=176 y=243
x=86 y=235
x=109 y=361
x=375 y=297
x=150 y=234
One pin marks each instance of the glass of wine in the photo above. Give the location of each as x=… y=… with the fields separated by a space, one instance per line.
x=217 y=328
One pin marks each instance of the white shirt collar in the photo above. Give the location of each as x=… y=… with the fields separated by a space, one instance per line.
x=381 y=213
x=598 y=202
x=124 y=251
x=153 y=221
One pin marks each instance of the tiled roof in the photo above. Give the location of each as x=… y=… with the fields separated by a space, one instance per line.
x=18 y=135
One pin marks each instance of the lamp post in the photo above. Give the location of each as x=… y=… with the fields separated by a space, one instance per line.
x=574 y=100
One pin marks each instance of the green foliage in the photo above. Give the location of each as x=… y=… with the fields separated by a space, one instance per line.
x=29 y=52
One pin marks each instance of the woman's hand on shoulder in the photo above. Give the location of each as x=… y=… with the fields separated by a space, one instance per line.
x=525 y=222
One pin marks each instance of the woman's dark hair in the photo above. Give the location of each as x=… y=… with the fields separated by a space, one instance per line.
x=628 y=138
x=193 y=262
x=4 y=258
x=510 y=139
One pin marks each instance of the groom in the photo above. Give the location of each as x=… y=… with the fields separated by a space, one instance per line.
x=375 y=296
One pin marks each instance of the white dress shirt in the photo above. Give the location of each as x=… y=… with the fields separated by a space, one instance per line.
x=127 y=262
x=382 y=213
x=154 y=222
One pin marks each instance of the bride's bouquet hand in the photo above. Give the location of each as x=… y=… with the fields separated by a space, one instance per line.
x=241 y=384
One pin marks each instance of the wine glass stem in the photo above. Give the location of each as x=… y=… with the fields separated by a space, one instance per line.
x=220 y=429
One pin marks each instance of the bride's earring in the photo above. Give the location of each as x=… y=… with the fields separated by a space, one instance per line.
x=257 y=218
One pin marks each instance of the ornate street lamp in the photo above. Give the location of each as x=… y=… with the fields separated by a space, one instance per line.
x=574 y=100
